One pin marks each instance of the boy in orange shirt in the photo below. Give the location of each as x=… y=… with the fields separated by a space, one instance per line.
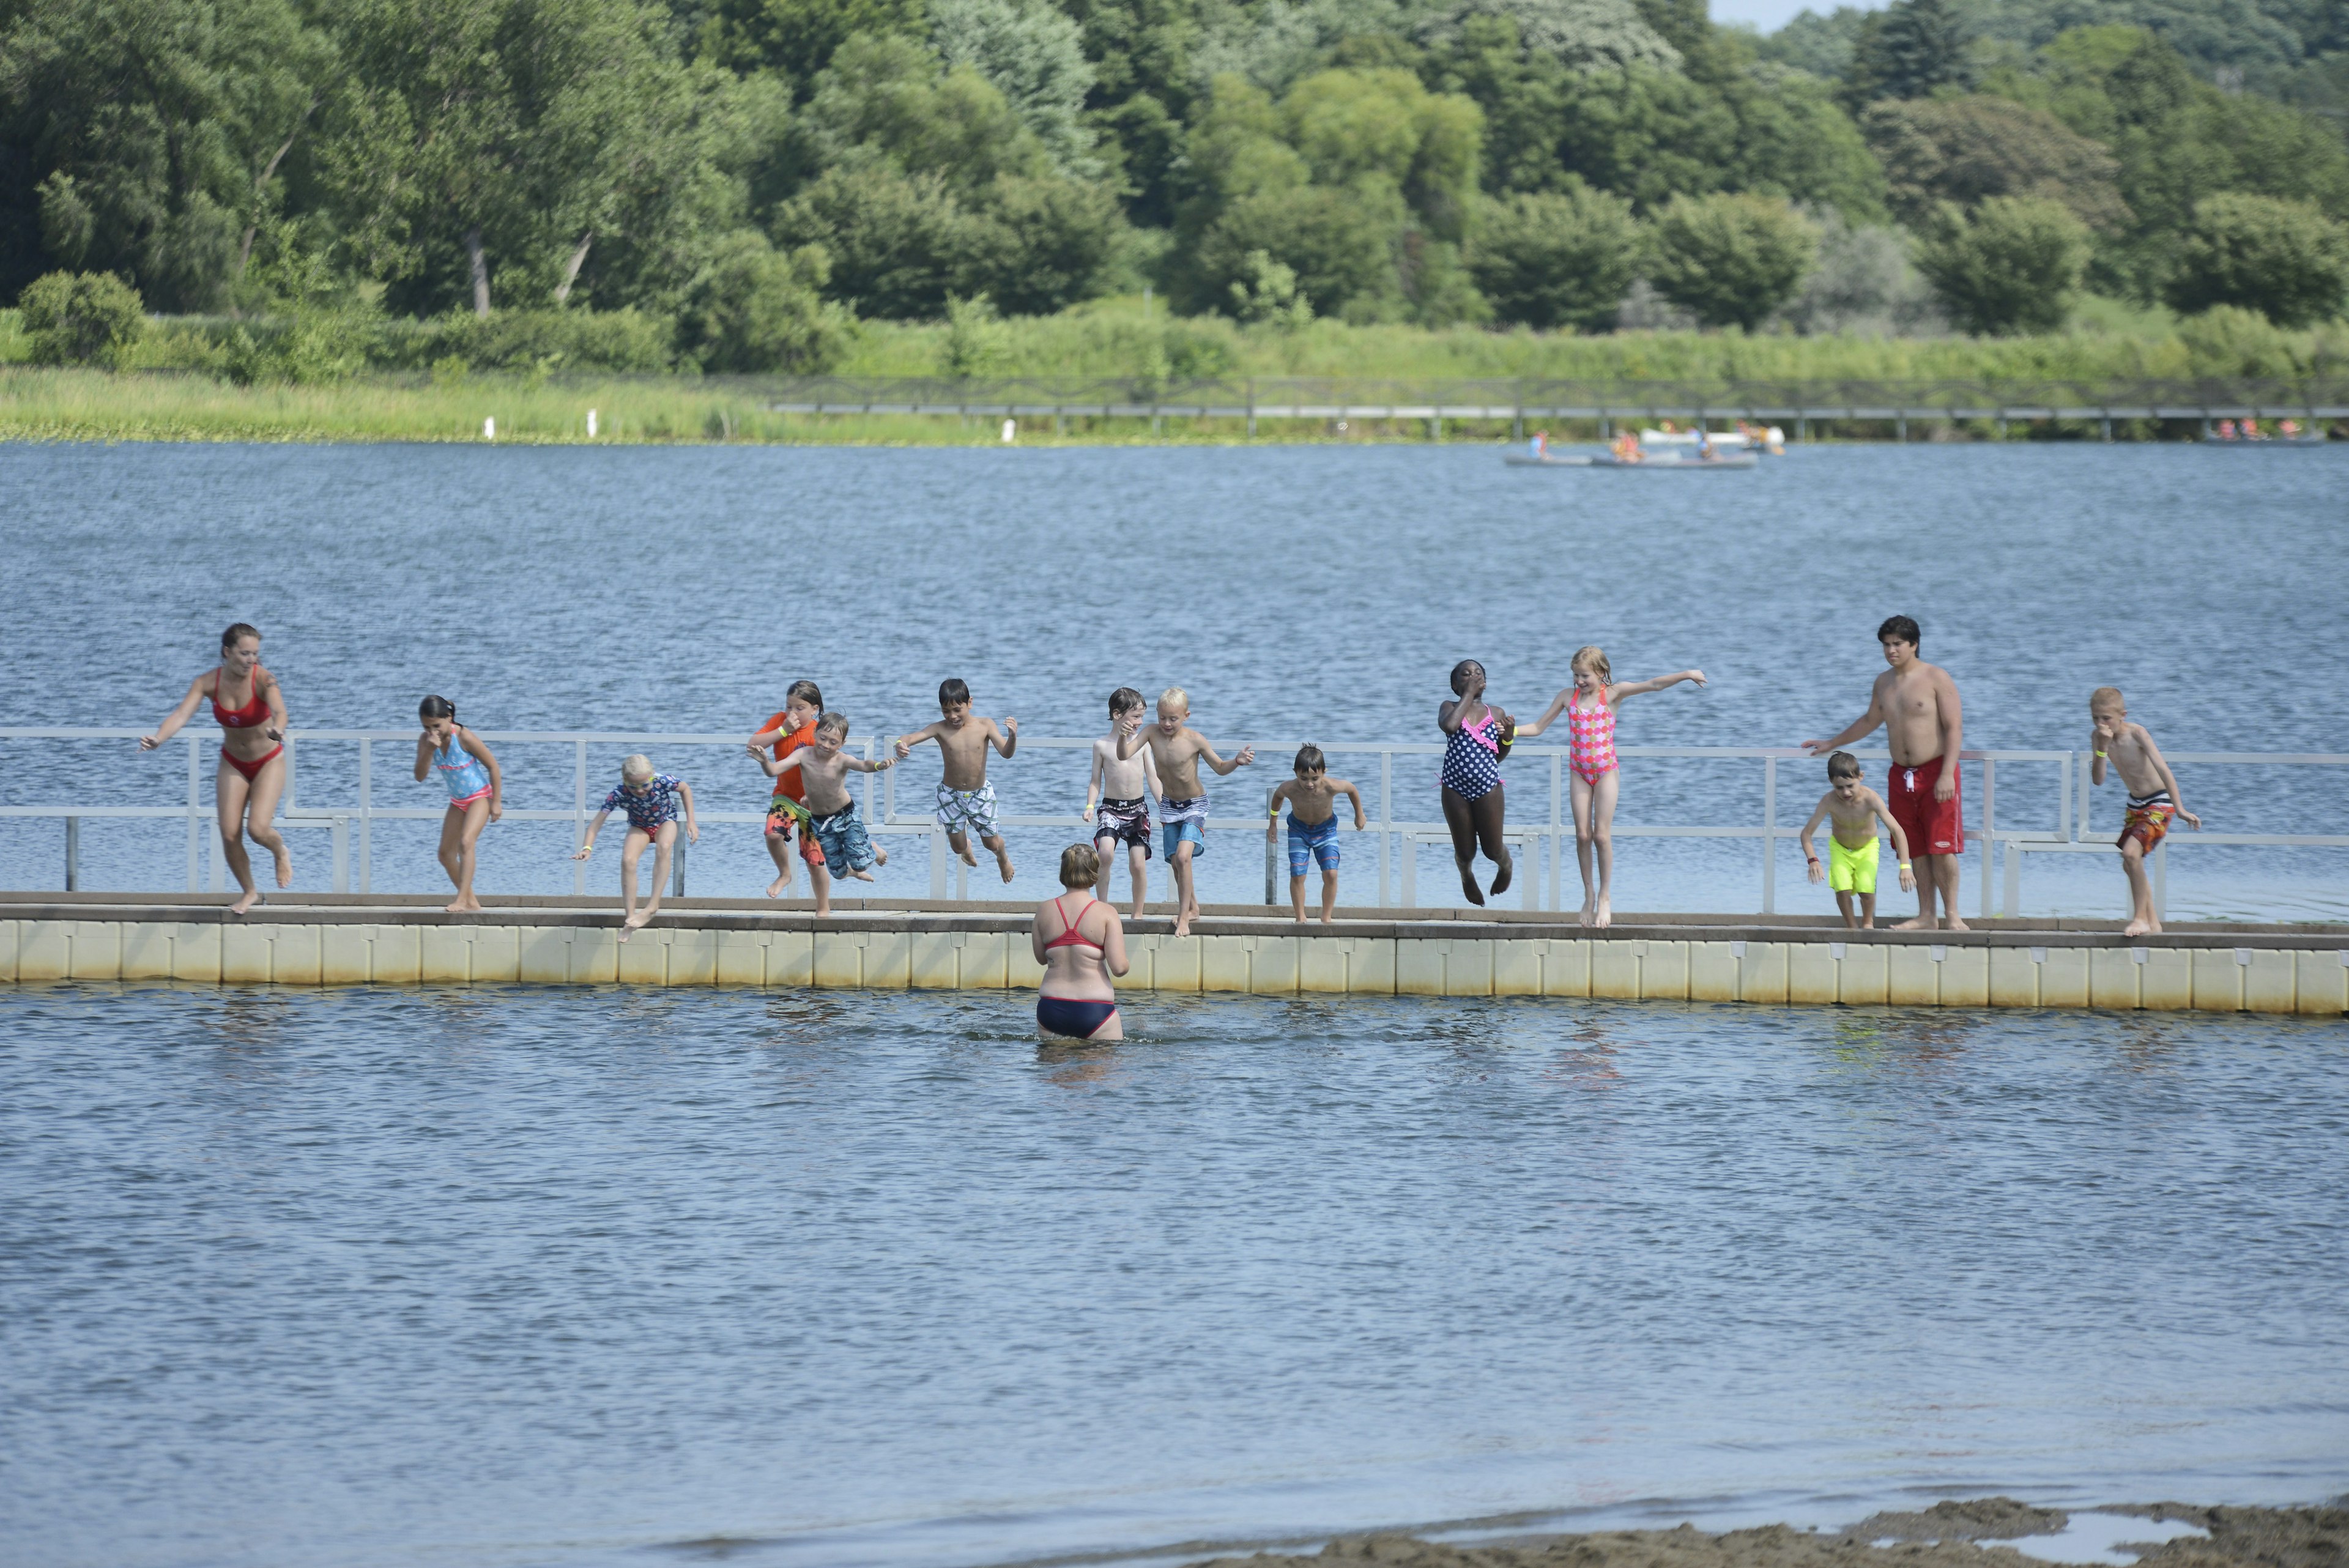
x=787 y=732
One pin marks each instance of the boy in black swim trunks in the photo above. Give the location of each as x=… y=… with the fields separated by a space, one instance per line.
x=1122 y=791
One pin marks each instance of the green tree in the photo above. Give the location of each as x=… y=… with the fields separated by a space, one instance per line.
x=1550 y=259
x=2283 y=259
x=80 y=318
x=1911 y=49
x=146 y=137
x=2011 y=266
x=1033 y=55
x=797 y=38
x=754 y=309
x=475 y=136
x=1732 y=260
x=1967 y=149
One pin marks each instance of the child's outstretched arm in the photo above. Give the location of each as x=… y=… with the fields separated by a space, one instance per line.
x=905 y=743
x=1857 y=727
x=1550 y=715
x=587 y=845
x=867 y=765
x=1899 y=841
x=775 y=770
x=2169 y=779
x=1005 y=739
x=1247 y=755
x=1809 y=854
x=1641 y=688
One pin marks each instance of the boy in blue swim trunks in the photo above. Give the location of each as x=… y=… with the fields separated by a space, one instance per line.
x=1312 y=797
x=1852 y=843
x=1175 y=749
x=833 y=822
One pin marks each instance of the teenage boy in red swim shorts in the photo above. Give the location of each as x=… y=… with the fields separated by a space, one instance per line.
x=1924 y=723
x=2154 y=796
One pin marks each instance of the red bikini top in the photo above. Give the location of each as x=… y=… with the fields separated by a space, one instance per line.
x=1070 y=936
x=255 y=711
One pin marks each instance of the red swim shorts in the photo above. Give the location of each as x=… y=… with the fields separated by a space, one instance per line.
x=1933 y=826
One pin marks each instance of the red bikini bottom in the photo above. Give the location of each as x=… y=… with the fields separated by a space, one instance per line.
x=250 y=769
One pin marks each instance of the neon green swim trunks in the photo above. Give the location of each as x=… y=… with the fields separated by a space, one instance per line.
x=1851 y=871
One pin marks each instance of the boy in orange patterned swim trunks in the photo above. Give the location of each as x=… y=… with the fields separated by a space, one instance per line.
x=2153 y=796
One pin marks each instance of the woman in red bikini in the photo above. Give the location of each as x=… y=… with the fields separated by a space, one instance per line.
x=252 y=753
x=1080 y=942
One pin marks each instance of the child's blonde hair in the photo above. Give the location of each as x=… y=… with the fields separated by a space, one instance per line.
x=1593 y=658
x=833 y=722
x=1178 y=696
x=2107 y=697
x=637 y=765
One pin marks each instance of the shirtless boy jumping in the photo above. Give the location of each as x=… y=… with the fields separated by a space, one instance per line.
x=2153 y=796
x=1918 y=705
x=1123 y=791
x=1176 y=748
x=832 y=823
x=965 y=800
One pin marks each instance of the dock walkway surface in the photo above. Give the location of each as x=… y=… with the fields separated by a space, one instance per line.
x=316 y=939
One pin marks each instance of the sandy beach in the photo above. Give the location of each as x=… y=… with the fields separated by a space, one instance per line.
x=1947 y=1535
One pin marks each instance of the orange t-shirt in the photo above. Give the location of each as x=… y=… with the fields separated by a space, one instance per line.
x=789 y=783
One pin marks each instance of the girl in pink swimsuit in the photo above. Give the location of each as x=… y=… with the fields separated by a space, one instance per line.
x=1589 y=706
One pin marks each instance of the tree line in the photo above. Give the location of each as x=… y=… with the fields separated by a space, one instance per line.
x=742 y=179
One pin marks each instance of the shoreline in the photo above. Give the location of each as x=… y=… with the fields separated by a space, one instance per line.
x=1949 y=1534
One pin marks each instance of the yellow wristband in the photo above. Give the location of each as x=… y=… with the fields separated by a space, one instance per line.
x=1904 y=865
x=2101 y=757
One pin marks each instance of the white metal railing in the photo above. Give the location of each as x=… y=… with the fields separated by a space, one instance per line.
x=1549 y=838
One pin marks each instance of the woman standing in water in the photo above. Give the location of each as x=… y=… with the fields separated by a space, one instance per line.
x=1080 y=946
x=252 y=755
x=1476 y=736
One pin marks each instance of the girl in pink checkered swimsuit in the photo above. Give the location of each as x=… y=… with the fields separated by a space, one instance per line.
x=1589 y=706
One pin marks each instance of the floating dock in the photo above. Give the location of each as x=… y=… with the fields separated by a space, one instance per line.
x=320 y=940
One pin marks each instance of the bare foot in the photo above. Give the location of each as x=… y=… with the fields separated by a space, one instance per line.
x=881 y=857
x=970 y=856
x=461 y=904
x=823 y=912
x=1006 y=865
x=1590 y=910
x=247 y=902
x=864 y=876
x=1137 y=911
x=285 y=858
x=1469 y=886
x=1919 y=924
x=1606 y=916
x=2139 y=928
x=636 y=922
x=775 y=889
x=1955 y=924
x=1183 y=923
x=1501 y=877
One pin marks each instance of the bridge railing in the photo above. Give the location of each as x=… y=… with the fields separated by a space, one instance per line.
x=2046 y=786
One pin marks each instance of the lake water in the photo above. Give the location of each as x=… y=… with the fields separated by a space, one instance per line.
x=1316 y=593
x=493 y=1278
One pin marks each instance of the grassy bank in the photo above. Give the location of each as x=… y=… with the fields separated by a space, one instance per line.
x=164 y=395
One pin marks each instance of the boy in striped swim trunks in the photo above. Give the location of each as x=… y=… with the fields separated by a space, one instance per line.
x=965 y=800
x=1852 y=844
x=2153 y=798
x=1312 y=796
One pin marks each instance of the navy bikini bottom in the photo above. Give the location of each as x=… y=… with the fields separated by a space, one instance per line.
x=1078 y=1020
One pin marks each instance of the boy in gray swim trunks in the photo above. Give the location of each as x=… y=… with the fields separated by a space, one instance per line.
x=1175 y=751
x=1124 y=791
x=824 y=768
x=965 y=800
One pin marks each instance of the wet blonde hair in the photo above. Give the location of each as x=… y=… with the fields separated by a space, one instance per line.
x=637 y=765
x=1593 y=658
x=1178 y=696
x=2107 y=697
x=1080 y=866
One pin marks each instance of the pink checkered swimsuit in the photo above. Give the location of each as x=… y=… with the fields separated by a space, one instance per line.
x=1592 y=731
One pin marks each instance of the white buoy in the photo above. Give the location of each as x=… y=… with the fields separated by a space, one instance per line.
x=1010 y=429
x=591 y=425
x=490 y=428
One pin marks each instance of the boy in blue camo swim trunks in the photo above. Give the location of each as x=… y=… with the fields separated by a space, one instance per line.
x=832 y=823
x=965 y=800
x=1312 y=797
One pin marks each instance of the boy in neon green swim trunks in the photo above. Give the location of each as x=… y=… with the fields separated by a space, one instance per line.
x=1852 y=844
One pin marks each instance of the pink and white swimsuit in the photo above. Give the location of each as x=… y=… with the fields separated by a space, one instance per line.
x=1591 y=732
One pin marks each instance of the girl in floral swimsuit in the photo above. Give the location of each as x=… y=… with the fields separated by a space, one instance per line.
x=1476 y=736
x=1589 y=707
